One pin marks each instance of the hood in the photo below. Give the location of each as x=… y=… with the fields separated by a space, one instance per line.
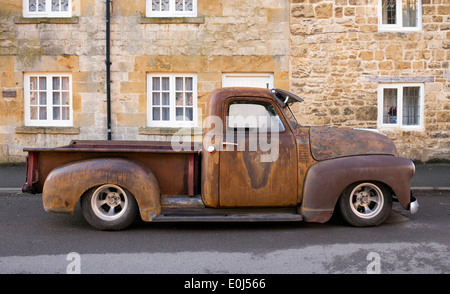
x=327 y=143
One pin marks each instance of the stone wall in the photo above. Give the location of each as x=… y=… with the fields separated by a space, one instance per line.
x=338 y=58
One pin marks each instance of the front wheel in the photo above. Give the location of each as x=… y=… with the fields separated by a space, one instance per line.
x=365 y=204
x=109 y=207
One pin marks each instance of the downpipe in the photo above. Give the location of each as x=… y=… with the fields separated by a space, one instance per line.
x=108 y=69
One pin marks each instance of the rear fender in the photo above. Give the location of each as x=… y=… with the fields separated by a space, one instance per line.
x=66 y=184
x=326 y=180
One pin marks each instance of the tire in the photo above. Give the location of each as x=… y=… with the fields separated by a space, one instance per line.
x=109 y=207
x=365 y=204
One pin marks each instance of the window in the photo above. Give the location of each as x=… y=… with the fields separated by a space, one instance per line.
x=171 y=8
x=399 y=15
x=253 y=116
x=47 y=8
x=248 y=80
x=172 y=100
x=48 y=100
x=401 y=105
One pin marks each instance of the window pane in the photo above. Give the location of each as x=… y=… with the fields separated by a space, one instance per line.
x=33 y=83
x=189 y=84
x=156 y=99
x=55 y=5
x=409 y=13
x=33 y=113
x=32 y=5
x=56 y=113
x=42 y=83
x=33 y=99
x=189 y=99
x=65 y=83
x=156 y=5
x=164 y=5
x=165 y=84
x=42 y=113
x=179 y=98
x=179 y=114
x=179 y=84
x=41 y=5
x=165 y=113
x=155 y=83
x=65 y=5
x=56 y=98
x=56 y=83
x=389 y=12
x=390 y=106
x=411 y=106
x=43 y=98
x=179 y=5
x=188 y=5
x=165 y=98
x=65 y=113
x=189 y=114
x=65 y=98
x=253 y=116
x=156 y=113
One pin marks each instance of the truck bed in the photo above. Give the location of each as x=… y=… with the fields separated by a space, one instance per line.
x=177 y=171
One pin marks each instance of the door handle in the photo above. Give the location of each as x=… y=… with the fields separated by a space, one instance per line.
x=229 y=143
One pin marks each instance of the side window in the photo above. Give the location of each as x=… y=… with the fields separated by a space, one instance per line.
x=253 y=116
x=399 y=15
x=48 y=100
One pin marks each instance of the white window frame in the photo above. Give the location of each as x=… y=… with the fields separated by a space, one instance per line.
x=48 y=10
x=171 y=12
x=49 y=122
x=398 y=27
x=172 y=122
x=399 y=123
x=228 y=77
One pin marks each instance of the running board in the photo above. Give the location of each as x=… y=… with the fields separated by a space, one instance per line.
x=228 y=215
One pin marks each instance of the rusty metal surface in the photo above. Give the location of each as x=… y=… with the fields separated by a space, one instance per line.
x=329 y=143
x=67 y=183
x=326 y=180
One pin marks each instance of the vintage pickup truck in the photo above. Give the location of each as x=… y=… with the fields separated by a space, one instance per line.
x=256 y=163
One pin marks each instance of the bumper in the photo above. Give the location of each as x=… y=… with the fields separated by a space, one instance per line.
x=413 y=205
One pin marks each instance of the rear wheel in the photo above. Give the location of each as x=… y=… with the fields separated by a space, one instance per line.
x=365 y=204
x=109 y=207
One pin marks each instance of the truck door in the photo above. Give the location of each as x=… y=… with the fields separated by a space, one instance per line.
x=258 y=159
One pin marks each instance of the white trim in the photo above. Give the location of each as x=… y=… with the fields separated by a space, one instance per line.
x=171 y=12
x=266 y=78
x=398 y=27
x=172 y=122
x=399 y=124
x=49 y=122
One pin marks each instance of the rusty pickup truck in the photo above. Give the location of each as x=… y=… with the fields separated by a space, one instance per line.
x=255 y=163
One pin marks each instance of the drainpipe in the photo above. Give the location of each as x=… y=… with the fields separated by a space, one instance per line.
x=108 y=68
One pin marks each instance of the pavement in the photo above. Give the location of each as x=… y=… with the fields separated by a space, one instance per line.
x=431 y=177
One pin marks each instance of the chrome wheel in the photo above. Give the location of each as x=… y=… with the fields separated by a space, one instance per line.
x=366 y=200
x=109 y=202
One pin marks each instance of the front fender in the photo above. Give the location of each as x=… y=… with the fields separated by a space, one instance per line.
x=66 y=184
x=326 y=180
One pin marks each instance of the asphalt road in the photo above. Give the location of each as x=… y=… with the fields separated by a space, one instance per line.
x=33 y=241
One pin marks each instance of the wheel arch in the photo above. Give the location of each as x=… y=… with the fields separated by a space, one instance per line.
x=66 y=184
x=326 y=180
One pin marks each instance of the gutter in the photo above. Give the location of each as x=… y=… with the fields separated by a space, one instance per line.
x=108 y=69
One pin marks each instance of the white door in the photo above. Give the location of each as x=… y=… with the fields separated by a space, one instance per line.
x=248 y=80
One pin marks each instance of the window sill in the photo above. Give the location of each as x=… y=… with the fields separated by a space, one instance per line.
x=169 y=131
x=49 y=20
x=172 y=20
x=48 y=130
